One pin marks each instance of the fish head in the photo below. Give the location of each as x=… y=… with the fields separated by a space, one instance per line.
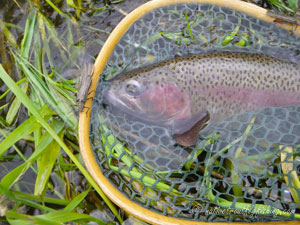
x=148 y=99
x=157 y=101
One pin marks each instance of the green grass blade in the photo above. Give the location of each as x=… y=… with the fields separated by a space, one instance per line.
x=9 y=194
x=9 y=179
x=61 y=86
x=8 y=35
x=64 y=108
x=30 y=106
x=16 y=218
x=34 y=76
x=28 y=33
x=29 y=221
x=4 y=135
x=57 y=9
x=188 y=25
x=230 y=36
x=45 y=41
x=15 y=106
x=21 y=195
x=23 y=130
x=7 y=91
x=76 y=201
x=53 y=36
x=53 y=97
x=280 y=5
x=63 y=217
x=46 y=163
x=13 y=176
x=72 y=4
x=293 y=4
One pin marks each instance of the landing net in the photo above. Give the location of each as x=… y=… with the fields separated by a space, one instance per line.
x=244 y=168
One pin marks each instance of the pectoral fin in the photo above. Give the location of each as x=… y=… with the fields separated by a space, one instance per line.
x=185 y=131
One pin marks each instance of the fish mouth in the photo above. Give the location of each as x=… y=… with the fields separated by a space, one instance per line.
x=115 y=102
x=112 y=100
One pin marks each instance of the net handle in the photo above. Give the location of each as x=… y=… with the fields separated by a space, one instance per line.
x=84 y=117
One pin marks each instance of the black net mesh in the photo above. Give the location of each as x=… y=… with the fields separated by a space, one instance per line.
x=243 y=168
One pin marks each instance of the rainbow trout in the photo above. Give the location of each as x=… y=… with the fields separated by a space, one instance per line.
x=187 y=94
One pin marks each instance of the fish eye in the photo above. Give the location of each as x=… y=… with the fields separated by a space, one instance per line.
x=133 y=88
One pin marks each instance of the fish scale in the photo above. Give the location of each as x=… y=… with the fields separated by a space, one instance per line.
x=221 y=84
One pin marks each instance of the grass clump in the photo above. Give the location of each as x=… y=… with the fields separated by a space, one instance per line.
x=41 y=89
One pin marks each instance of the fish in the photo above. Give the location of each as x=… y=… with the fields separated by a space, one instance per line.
x=187 y=94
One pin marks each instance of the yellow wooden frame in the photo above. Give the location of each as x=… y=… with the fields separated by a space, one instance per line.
x=84 y=118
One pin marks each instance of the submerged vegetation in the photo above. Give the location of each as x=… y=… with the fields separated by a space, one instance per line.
x=42 y=45
x=145 y=182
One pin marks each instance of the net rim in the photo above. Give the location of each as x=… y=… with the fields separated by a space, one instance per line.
x=84 y=117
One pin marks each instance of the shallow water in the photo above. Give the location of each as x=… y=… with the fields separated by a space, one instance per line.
x=88 y=36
